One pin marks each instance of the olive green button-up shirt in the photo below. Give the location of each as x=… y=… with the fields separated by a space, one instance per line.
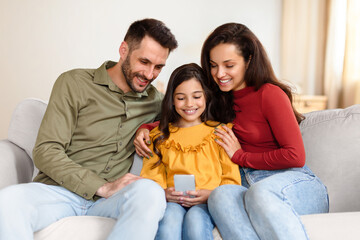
x=86 y=135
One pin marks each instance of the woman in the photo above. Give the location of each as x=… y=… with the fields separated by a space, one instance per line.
x=265 y=142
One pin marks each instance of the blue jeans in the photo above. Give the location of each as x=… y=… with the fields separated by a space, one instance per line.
x=27 y=208
x=185 y=223
x=268 y=204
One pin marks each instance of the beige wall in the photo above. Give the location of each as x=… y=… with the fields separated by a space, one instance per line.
x=42 y=38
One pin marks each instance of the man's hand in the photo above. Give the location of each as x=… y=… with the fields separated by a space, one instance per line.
x=108 y=189
x=141 y=139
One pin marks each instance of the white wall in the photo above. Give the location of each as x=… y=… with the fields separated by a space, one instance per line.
x=39 y=39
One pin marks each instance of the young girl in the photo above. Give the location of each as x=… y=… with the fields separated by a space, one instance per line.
x=184 y=143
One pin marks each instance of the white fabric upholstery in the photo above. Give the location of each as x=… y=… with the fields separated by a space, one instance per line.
x=15 y=165
x=333 y=226
x=332 y=145
x=84 y=228
x=79 y=228
x=25 y=123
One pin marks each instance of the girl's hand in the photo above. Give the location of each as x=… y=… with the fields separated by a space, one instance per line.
x=172 y=195
x=200 y=196
x=141 y=139
x=229 y=142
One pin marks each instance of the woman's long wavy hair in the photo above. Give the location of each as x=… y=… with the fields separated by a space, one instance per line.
x=259 y=70
x=168 y=112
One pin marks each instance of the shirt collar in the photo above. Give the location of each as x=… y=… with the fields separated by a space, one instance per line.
x=102 y=77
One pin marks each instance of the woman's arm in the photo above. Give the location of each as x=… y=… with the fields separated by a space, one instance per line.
x=277 y=110
x=142 y=138
x=282 y=124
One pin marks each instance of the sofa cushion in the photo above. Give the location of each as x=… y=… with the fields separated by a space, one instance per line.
x=332 y=226
x=84 y=228
x=332 y=140
x=79 y=227
x=25 y=123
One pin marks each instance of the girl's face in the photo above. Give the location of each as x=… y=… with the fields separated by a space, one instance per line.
x=227 y=67
x=189 y=102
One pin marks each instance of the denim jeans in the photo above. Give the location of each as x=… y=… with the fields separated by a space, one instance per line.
x=185 y=223
x=268 y=204
x=27 y=208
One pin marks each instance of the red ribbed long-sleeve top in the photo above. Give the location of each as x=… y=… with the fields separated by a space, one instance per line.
x=267 y=129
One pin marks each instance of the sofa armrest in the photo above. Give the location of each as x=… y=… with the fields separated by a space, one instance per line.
x=15 y=165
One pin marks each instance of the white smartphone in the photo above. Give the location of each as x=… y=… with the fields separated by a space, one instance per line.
x=184 y=182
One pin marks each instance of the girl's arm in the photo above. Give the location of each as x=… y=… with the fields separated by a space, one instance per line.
x=230 y=170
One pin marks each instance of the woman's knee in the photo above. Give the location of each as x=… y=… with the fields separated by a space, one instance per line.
x=226 y=195
x=261 y=200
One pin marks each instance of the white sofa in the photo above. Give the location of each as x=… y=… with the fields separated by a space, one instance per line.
x=332 y=144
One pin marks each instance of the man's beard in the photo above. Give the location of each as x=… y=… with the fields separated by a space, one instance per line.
x=129 y=75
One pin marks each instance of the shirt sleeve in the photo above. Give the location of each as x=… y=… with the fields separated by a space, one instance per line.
x=278 y=112
x=55 y=136
x=149 y=126
x=157 y=174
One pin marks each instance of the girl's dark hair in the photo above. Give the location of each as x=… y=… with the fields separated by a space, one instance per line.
x=259 y=70
x=168 y=112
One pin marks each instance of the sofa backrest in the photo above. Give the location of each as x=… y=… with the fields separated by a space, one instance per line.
x=25 y=123
x=332 y=145
x=331 y=139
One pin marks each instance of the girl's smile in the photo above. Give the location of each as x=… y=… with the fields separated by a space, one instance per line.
x=189 y=102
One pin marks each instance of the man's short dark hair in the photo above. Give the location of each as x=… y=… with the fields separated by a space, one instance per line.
x=152 y=28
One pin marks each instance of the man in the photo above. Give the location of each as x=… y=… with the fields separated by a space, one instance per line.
x=84 y=147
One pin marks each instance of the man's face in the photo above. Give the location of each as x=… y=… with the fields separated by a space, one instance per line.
x=143 y=64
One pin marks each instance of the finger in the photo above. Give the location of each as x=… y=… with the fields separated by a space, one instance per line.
x=186 y=205
x=221 y=143
x=138 y=153
x=147 y=138
x=231 y=133
x=222 y=134
x=179 y=194
x=144 y=154
x=192 y=193
x=144 y=147
x=139 y=150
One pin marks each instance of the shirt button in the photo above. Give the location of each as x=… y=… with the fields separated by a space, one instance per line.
x=85 y=195
x=120 y=143
x=61 y=183
x=107 y=168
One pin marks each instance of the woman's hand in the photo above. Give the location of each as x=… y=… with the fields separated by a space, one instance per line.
x=229 y=142
x=199 y=197
x=141 y=139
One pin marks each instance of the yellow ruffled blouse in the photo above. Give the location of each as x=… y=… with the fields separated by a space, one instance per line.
x=191 y=150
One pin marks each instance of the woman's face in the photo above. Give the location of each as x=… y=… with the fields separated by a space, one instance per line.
x=227 y=67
